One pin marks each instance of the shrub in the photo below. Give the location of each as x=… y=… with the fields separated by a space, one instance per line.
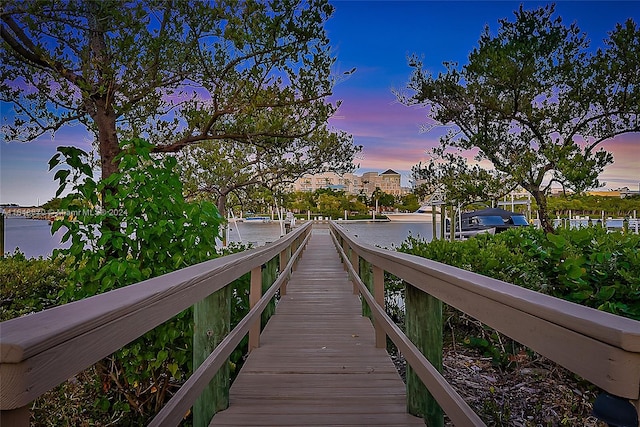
x=589 y=266
x=28 y=285
x=146 y=229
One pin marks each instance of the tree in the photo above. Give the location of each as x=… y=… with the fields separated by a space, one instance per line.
x=218 y=169
x=535 y=102
x=300 y=201
x=383 y=199
x=175 y=72
x=409 y=203
x=459 y=183
x=330 y=204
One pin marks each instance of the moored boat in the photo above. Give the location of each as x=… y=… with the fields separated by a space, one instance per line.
x=493 y=217
x=492 y=221
x=256 y=219
x=424 y=214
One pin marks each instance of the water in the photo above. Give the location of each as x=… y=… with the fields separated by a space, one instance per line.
x=388 y=235
x=31 y=236
x=257 y=234
x=34 y=239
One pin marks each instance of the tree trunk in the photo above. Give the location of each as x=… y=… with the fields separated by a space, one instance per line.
x=101 y=96
x=221 y=204
x=108 y=144
x=541 y=200
x=109 y=148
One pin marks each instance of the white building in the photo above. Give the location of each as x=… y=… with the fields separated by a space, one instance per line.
x=388 y=181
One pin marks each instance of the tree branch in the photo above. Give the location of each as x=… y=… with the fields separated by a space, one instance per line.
x=25 y=48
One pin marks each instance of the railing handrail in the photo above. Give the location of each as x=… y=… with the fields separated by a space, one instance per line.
x=44 y=349
x=174 y=410
x=454 y=405
x=601 y=347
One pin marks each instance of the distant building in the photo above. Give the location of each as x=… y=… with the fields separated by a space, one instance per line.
x=619 y=192
x=388 y=181
x=347 y=182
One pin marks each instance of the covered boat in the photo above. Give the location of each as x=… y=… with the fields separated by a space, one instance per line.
x=499 y=218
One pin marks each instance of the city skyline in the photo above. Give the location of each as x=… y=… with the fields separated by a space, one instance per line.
x=375 y=38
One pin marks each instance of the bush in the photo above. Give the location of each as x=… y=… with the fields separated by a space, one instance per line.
x=136 y=224
x=588 y=266
x=28 y=285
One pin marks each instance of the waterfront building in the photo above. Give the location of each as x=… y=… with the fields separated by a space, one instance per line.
x=388 y=181
x=348 y=182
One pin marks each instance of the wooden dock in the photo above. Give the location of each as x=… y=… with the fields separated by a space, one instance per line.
x=317 y=364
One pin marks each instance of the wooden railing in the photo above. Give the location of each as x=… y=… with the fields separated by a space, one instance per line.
x=600 y=347
x=42 y=350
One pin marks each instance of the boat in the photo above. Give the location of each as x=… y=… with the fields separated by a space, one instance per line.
x=256 y=219
x=493 y=217
x=465 y=234
x=424 y=214
x=491 y=221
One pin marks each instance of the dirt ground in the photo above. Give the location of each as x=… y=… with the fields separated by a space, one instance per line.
x=533 y=391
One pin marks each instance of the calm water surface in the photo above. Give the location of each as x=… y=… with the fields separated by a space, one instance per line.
x=34 y=239
x=388 y=235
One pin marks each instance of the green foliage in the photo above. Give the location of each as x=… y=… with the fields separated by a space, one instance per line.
x=529 y=93
x=457 y=181
x=53 y=204
x=594 y=205
x=263 y=73
x=588 y=266
x=142 y=228
x=28 y=285
x=326 y=202
x=408 y=203
x=223 y=170
x=384 y=199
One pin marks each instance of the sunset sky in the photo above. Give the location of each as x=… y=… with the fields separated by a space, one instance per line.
x=375 y=37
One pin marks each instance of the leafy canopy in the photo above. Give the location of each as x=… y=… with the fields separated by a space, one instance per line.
x=535 y=102
x=174 y=72
x=219 y=169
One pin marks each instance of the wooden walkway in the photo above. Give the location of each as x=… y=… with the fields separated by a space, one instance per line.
x=317 y=364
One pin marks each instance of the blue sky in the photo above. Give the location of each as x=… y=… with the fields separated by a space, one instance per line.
x=375 y=37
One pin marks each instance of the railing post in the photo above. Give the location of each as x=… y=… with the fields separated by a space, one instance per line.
x=355 y=263
x=367 y=279
x=378 y=294
x=18 y=417
x=212 y=319
x=423 y=325
x=269 y=274
x=255 y=293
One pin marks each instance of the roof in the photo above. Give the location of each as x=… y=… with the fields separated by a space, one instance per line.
x=389 y=172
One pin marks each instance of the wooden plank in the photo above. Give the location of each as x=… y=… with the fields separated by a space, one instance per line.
x=212 y=317
x=317 y=363
x=41 y=350
x=600 y=347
